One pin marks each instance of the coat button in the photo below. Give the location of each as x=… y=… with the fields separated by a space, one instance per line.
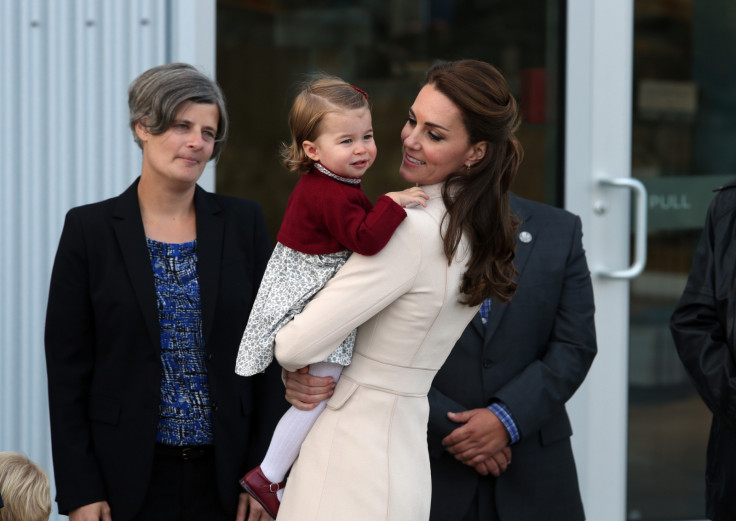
x=215 y=407
x=487 y=363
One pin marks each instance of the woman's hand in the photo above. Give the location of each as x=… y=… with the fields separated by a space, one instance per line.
x=99 y=511
x=305 y=391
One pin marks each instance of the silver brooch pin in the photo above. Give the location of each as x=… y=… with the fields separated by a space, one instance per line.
x=525 y=237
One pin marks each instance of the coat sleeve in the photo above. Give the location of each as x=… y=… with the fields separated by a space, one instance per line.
x=541 y=389
x=69 y=343
x=360 y=289
x=703 y=318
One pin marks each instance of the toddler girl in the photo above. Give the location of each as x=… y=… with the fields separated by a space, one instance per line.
x=327 y=218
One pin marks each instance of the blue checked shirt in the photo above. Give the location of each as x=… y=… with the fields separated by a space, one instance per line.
x=499 y=408
x=503 y=414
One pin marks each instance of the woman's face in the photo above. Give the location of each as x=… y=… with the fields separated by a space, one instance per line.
x=180 y=154
x=435 y=141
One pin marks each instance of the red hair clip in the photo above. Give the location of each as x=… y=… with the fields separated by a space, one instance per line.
x=364 y=93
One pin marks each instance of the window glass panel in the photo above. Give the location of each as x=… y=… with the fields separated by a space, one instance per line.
x=265 y=47
x=683 y=129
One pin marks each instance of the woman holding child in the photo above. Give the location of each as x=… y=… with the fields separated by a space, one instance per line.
x=366 y=456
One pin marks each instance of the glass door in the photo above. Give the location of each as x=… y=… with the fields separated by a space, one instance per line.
x=684 y=127
x=650 y=100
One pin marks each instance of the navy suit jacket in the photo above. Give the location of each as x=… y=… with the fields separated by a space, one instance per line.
x=533 y=355
x=103 y=350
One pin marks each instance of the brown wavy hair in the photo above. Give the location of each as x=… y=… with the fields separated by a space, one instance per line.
x=477 y=199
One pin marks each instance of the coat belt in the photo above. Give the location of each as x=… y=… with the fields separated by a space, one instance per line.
x=396 y=379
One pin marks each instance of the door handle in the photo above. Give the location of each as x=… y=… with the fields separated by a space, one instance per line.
x=640 y=226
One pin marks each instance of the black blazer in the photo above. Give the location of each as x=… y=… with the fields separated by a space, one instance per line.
x=103 y=350
x=702 y=326
x=533 y=355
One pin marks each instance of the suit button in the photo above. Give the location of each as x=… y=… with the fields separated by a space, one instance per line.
x=209 y=356
x=487 y=363
x=215 y=407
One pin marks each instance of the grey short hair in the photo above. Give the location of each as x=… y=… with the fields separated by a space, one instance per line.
x=156 y=95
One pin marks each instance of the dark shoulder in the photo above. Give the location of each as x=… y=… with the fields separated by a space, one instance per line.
x=120 y=205
x=724 y=202
x=726 y=187
x=527 y=209
x=94 y=217
x=94 y=209
x=243 y=218
x=211 y=202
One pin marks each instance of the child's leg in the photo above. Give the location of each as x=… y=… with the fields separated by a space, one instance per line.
x=291 y=430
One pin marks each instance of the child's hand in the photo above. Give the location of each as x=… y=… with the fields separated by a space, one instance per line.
x=413 y=195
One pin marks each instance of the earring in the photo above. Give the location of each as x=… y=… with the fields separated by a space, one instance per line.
x=467 y=168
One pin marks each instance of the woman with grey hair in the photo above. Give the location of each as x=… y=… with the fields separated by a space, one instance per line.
x=149 y=296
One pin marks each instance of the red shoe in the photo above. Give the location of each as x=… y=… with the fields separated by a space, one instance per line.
x=256 y=484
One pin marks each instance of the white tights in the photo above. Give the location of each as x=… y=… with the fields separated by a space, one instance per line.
x=291 y=430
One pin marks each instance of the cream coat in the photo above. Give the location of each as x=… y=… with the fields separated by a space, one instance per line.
x=366 y=457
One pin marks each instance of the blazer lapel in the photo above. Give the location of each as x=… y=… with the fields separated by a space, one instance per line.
x=131 y=237
x=210 y=233
x=525 y=240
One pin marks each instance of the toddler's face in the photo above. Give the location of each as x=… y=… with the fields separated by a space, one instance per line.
x=345 y=145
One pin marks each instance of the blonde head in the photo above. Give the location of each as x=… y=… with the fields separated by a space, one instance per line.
x=25 y=489
x=320 y=95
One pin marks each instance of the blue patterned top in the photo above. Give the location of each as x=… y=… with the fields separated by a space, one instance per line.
x=184 y=413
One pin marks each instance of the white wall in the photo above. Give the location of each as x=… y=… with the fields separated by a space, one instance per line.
x=65 y=66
